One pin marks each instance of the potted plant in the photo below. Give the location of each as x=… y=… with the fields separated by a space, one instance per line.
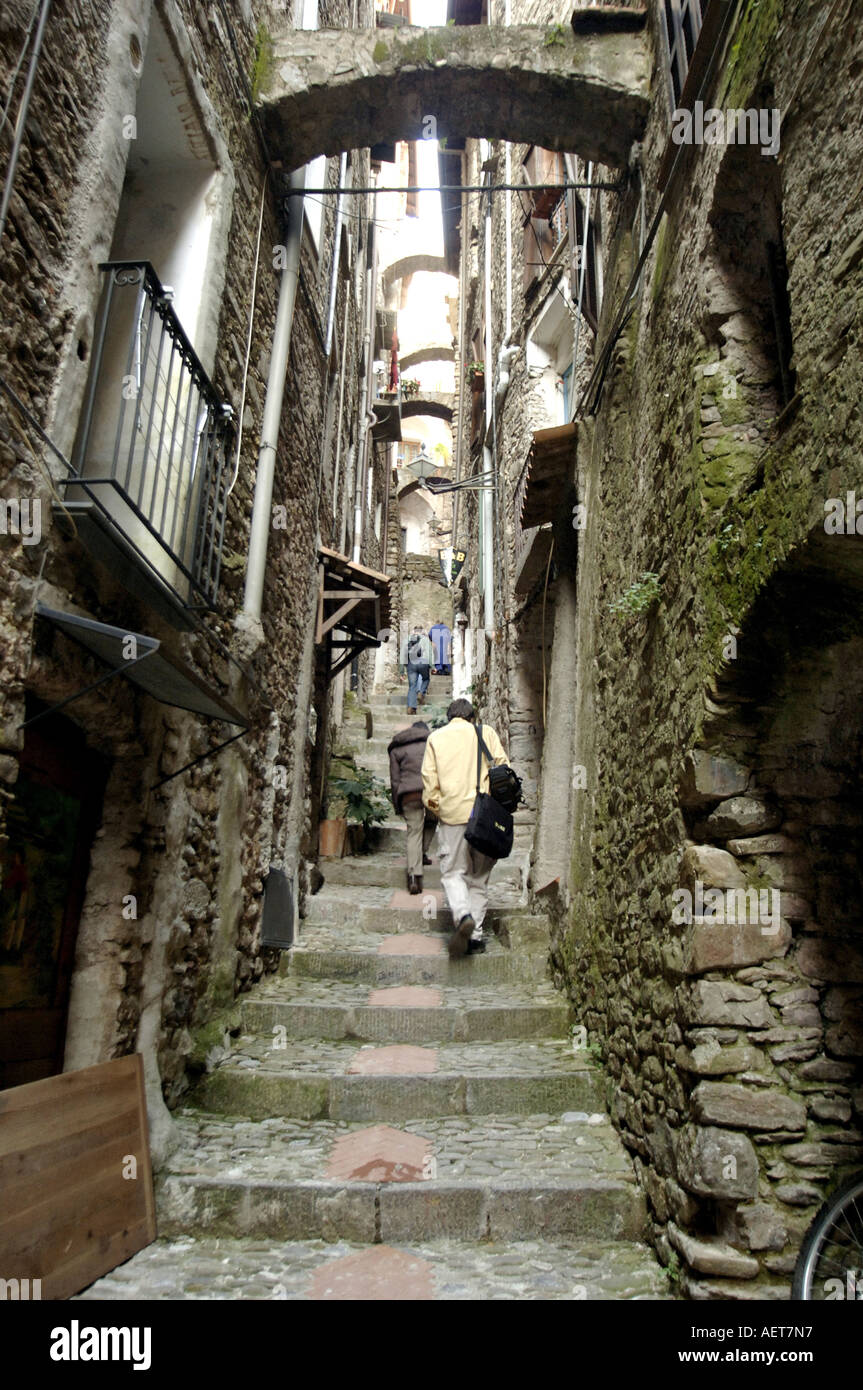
x=476 y=376
x=410 y=386
x=333 y=829
x=366 y=800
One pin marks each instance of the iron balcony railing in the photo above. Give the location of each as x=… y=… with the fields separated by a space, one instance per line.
x=154 y=444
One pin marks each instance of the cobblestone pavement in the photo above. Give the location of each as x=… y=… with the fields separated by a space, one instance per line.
x=255 y=1269
x=453 y=1198
x=353 y=994
x=511 y=1149
x=519 y=1058
x=349 y=936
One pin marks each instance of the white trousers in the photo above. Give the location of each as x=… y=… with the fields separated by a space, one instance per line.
x=464 y=874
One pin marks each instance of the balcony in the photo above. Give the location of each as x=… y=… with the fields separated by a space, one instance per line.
x=148 y=494
x=387 y=411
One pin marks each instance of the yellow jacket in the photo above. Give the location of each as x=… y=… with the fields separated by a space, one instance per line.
x=449 y=769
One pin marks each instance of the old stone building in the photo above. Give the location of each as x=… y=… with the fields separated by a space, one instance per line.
x=665 y=584
x=658 y=239
x=150 y=231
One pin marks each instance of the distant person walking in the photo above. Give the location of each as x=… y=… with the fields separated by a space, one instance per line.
x=441 y=640
x=416 y=659
x=406 y=751
x=449 y=791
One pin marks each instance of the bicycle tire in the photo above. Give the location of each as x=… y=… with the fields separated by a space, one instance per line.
x=844 y=1206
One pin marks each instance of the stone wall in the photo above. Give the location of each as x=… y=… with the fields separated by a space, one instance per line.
x=733 y=1051
x=192 y=853
x=716 y=726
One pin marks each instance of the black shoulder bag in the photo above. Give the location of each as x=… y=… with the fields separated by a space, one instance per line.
x=489 y=829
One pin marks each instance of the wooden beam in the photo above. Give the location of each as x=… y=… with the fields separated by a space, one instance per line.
x=333 y=619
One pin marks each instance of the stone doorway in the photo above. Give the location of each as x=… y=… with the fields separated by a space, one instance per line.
x=52 y=822
x=774 y=809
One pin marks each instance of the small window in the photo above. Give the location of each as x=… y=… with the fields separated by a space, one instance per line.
x=683 y=20
x=588 y=251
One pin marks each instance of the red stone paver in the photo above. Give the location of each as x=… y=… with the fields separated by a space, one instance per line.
x=416 y=902
x=381 y=1274
x=381 y=1154
x=411 y=944
x=405 y=997
x=402 y=1060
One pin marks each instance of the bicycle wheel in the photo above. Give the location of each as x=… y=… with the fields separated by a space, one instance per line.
x=830 y=1263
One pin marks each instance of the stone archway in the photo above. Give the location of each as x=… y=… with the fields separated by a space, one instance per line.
x=413 y=265
x=438 y=404
x=772 y=1004
x=586 y=92
x=438 y=353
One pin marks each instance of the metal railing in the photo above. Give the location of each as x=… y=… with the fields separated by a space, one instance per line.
x=154 y=441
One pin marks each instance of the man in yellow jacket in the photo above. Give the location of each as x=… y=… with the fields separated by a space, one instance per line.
x=449 y=791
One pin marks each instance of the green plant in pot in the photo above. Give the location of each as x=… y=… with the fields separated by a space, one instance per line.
x=365 y=799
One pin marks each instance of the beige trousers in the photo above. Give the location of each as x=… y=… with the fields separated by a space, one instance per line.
x=419 y=836
x=464 y=874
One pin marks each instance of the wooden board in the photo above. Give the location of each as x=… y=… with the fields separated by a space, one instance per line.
x=68 y=1213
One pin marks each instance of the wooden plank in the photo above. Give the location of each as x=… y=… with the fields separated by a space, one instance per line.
x=69 y=1214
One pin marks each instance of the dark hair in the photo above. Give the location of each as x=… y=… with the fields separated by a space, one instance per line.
x=460 y=709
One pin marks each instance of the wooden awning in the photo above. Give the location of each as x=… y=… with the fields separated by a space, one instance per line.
x=353 y=599
x=549 y=468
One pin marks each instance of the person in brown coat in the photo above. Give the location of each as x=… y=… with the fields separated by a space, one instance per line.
x=406 y=751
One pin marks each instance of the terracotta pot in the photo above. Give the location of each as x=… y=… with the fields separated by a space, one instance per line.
x=477 y=382
x=331 y=838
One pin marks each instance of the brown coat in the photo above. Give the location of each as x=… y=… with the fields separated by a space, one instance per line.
x=406 y=759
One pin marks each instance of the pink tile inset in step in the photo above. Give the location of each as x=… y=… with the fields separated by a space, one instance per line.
x=381 y=1274
x=411 y=944
x=416 y=902
x=381 y=1154
x=405 y=997
x=401 y=1060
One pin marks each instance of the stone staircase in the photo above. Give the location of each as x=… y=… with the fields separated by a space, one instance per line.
x=391 y=1124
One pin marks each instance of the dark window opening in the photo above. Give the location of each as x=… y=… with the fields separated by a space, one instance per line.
x=748 y=308
x=587 y=252
x=683 y=21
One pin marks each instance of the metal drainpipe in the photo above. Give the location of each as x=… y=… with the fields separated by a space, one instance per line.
x=21 y=118
x=260 y=529
x=368 y=417
x=334 y=276
x=462 y=383
x=488 y=521
x=337 y=467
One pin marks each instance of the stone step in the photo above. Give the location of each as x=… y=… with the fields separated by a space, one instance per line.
x=336 y=1009
x=388 y=910
x=373 y=871
x=434 y=1177
x=308 y=961
x=340 y=924
x=311 y=1080
x=441 y=1270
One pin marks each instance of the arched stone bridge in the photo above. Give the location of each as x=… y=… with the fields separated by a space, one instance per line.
x=438 y=353
x=411 y=265
x=437 y=403
x=328 y=91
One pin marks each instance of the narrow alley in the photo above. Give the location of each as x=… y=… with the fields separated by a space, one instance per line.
x=431 y=659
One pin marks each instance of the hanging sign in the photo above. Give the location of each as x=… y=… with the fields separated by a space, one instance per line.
x=451 y=562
